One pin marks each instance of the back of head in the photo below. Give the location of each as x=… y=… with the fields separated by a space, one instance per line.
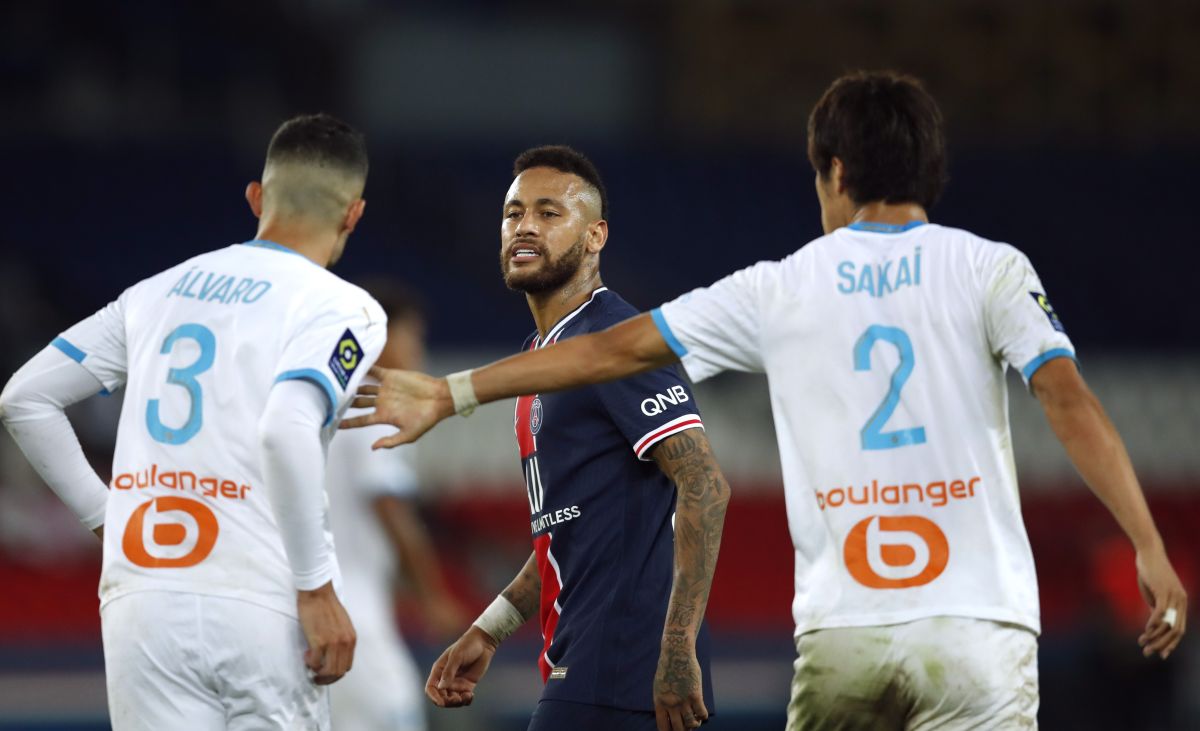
x=887 y=131
x=316 y=166
x=565 y=160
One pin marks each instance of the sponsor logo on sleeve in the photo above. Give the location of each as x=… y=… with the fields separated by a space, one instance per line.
x=660 y=402
x=1048 y=308
x=346 y=357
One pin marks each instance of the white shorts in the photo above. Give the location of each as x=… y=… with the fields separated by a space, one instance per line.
x=384 y=691
x=944 y=673
x=176 y=660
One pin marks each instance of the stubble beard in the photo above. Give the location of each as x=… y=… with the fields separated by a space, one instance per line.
x=553 y=274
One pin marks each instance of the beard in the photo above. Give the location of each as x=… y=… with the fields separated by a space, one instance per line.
x=552 y=275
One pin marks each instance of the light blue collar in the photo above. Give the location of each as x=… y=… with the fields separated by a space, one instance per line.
x=264 y=244
x=884 y=228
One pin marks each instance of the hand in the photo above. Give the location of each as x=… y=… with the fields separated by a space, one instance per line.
x=412 y=402
x=1162 y=591
x=454 y=676
x=678 y=690
x=329 y=633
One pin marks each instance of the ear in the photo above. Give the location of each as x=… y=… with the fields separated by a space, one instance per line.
x=597 y=236
x=353 y=214
x=254 y=195
x=837 y=175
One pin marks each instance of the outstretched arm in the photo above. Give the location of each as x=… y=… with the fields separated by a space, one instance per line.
x=415 y=403
x=453 y=678
x=1096 y=450
x=703 y=495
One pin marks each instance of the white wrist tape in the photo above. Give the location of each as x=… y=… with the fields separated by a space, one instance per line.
x=500 y=619
x=463 y=392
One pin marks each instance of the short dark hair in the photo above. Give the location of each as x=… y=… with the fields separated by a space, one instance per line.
x=565 y=160
x=322 y=139
x=887 y=131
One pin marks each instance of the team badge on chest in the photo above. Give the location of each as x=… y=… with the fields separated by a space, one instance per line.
x=535 y=416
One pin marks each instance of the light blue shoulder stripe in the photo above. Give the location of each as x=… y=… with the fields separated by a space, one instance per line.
x=665 y=330
x=68 y=349
x=319 y=379
x=1032 y=366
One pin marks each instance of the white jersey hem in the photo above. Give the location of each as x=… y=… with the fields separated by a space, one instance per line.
x=883 y=619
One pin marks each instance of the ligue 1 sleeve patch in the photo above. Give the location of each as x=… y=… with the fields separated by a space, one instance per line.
x=345 y=358
x=1044 y=303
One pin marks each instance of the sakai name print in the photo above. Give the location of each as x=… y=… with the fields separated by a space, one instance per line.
x=346 y=357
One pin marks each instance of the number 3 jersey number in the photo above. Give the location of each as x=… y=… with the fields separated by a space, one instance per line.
x=185 y=377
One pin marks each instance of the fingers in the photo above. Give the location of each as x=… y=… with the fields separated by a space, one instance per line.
x=378 y=373
x=688 y=714
x=1166 y=626
x=368 y=389
x=394 y=440
x=360 y=421
x=336 y=660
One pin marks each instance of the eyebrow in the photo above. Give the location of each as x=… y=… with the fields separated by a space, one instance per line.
x=540 y=202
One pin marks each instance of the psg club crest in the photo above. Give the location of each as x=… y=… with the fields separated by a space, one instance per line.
x=535 y=416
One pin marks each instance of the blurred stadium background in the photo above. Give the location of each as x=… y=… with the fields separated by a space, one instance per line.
x=130 y=129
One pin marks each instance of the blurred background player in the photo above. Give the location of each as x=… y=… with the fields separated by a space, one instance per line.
x=885 y=343
x=218 y=589
x=624 y=550
x=377 y=529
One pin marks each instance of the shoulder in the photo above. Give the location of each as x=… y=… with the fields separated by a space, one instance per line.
x=606 y=309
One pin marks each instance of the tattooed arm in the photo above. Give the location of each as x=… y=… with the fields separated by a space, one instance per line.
x=525 y=591
x=703 y=495
x=454 y=676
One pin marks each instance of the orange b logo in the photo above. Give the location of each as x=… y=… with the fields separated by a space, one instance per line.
x=897 y=552
x=167 y=545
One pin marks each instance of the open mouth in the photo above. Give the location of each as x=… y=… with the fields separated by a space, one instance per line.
x=524 y=253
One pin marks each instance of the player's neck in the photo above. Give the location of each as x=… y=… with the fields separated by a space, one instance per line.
x=894 y=214
x=550 y=307
x=317 y=247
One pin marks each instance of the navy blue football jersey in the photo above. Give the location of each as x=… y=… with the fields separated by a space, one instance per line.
x=602 y=517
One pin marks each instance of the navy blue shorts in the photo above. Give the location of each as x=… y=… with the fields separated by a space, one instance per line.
x=567 y=716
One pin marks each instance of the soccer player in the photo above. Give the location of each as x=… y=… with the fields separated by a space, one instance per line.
x=376 y=527
x=218 y=601
x=885 y=344
x=626 y=501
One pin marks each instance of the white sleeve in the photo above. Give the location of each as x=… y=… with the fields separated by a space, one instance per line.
x=98 y=344
x=1022 y=327
x=716 y=328
x=293 y=459
x=334 y=348
x=31 y=407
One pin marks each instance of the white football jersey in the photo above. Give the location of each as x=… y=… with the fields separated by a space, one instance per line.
x=885 y=349
x=198 y=348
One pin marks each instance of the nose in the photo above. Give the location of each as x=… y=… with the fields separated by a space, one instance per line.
x=527 y=225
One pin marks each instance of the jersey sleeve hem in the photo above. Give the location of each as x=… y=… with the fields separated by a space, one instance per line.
x=665 y=330
x=1032 y=366
x=69 y=349
x=318 y=379
x=688 y=421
